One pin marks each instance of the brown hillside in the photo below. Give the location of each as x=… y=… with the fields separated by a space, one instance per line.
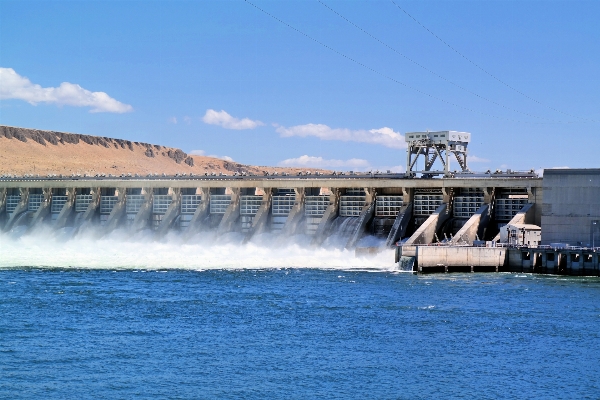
x=32 y=151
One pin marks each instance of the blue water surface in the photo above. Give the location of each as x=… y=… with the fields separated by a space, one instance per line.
x=296 y=333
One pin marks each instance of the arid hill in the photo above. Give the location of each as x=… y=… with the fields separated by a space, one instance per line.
x=32 y=151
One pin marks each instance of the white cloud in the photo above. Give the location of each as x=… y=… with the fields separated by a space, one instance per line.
x=173 y=120
x=187 y=120
x=320 y=162
x=476 y=159
x=226 y=158
x=15 y=86
x=203 y=154
x=383 y=136
x=222 y=118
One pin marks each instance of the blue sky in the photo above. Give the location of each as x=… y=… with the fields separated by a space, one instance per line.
x=281 y=98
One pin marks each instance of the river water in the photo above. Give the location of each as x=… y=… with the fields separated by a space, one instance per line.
x=126 y=318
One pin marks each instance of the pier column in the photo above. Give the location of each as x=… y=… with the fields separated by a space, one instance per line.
x=21 y=208
x=118 y=211
x=90 y=212
x=44 y=209
x=327 y=219
x=469 y=231
x=232 y=214
x=366 y=215
x=259 y=222
x=408 y=195
x=296 y=213
x=200 y=214
x=488 y=195
x=2 y=206
x=171 y=214
x=88 y=215
x=447 y=195
x=142 y=218
x=426 y=232
x=400 y=224
x=67 y=209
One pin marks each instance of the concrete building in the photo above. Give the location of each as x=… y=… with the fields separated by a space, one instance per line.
x=571 y=207
x=521 y=235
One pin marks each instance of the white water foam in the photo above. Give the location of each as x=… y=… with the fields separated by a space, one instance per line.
x=121 y=250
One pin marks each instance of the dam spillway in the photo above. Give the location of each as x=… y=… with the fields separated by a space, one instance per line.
x=389 y=206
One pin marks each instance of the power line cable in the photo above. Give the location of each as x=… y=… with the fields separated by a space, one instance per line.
x=382 y=74
x=430 y=71
x=485 y=71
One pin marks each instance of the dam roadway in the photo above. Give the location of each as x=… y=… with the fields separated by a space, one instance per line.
x=378 y=181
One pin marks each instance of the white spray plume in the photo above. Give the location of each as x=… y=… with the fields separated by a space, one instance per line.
x=119 y=250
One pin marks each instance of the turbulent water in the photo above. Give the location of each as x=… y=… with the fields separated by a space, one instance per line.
x=129 y=317
x=120 y=250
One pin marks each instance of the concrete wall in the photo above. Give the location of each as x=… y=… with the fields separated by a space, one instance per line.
x=433 y=256
x=571 y=204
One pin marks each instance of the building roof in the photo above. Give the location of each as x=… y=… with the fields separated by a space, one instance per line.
x=527 y=227
x=572 y=171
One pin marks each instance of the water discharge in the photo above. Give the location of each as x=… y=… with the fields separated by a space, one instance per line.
x=342 y=228
x=121 y=250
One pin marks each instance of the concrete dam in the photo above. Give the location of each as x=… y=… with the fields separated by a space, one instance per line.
x=388 y=206
x=436 y=220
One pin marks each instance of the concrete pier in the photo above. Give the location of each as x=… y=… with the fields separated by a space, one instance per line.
x=21 y=206
x=474 y=227
x=117 y=210
x=201 y=212
x=296 y=214
x=331 y=213
x=259 y=222
x=43 y=209
x=460 y=259
x=172 y=212
x=427 y=231
x=401 y=222
x=232 y=214
x=67 y=209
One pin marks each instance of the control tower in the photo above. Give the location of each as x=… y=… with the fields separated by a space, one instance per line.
x=433 y=146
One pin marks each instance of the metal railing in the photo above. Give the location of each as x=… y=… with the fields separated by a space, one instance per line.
x=426 y=204
x=134 y=202
x=58 y=202
x=388 y=206
x=12 y=202
x=282 y=205
x=316 y=205
x=506 y=209
x=161 y=203
x=35 y=201
x=249 y=205
x=190 y=202
x=351 y=206
x=82 y=202
x=107 y=203
x=219 y=203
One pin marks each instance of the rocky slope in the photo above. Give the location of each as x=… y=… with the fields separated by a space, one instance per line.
x=33 y=151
